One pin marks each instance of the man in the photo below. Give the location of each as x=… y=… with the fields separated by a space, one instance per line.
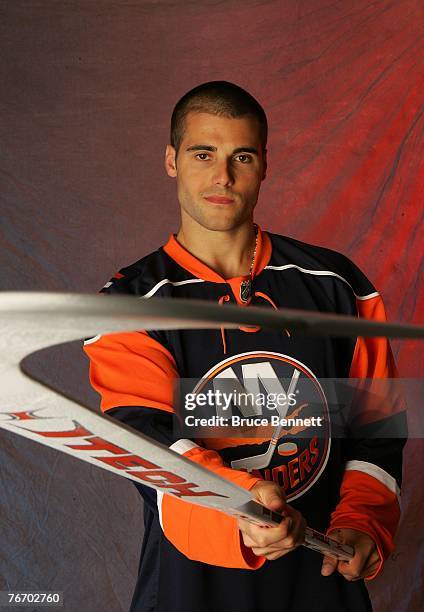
x=195 y=558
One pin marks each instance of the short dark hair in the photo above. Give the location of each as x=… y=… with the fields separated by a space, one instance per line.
x=217 y=98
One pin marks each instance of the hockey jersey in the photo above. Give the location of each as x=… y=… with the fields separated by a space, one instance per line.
x=192 y=557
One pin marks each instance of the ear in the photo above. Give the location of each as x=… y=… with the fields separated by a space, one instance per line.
x=170 y=161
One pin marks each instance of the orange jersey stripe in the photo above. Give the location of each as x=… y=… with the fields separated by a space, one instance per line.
x=373 y=359
x=369 y=506
x=205 y=534
x=132 y=369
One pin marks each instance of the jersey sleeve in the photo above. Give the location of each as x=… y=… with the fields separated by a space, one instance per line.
x=370 y=489
x=134 y=375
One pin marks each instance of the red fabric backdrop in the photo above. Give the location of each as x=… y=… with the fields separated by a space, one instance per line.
x=88 y=91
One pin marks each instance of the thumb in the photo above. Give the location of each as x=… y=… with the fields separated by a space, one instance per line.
x=274 y=500
x=329 y=564
x=270 y=495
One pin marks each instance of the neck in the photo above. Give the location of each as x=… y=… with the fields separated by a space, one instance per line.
x=229 y=253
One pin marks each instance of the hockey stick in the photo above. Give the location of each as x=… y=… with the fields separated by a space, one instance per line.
x=31 y=321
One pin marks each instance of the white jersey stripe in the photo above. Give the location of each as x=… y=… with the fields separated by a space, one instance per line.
x=165 y=281
x=322 y=273
x=151 y=293
x=91 y=340
x=180 y=447
x=377 y=472
x=183 y=445
x=367 y=297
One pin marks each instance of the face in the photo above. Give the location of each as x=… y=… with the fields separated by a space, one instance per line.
x=219 y=169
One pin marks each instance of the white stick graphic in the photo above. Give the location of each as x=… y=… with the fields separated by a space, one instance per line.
x=263 y=460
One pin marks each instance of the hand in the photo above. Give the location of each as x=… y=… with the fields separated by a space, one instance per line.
x=273 y=542
x=364 y=563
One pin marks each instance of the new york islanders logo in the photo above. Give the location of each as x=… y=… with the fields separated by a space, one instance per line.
x=286 y=392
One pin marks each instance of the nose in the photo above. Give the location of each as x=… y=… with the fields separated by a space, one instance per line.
x=223 y=173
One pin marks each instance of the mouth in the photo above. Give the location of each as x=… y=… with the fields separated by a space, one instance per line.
x=216 y=199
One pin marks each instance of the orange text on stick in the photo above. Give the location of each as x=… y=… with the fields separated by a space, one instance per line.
x=124 y=462
x=97 y=444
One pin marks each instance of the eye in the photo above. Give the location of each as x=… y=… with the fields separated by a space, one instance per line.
x=202 y=156
x=244 y=159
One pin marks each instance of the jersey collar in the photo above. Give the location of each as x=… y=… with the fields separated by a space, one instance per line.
x=196 y=267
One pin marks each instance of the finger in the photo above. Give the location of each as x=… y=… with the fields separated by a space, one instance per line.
x=287 y=535
x=370 y=569
x=296 y=534
x=374 y=558
x=298 y=530
x=243 y=525
x=370 y=553
x=258 y=544
x=266 y=537
x=266 y=490
x=270 y=495
x=351 y=569
x=259 y=539
x=271 y=552
x=247 y=525
x=276 y=555
x=294 y=538
x=248 y=541
x=275 y=547
x=290 y=540
x=367 y=572
x=371 y=566
x=354 y=569
x=276 y=502
x=252 y=529
x=329 y=564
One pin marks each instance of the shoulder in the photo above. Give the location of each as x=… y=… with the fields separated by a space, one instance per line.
x=289 y=253
x=148 y=276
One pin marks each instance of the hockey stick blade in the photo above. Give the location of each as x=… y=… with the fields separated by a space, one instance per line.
x=101 y=441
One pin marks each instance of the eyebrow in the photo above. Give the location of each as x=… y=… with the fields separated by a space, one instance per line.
x=201 y=147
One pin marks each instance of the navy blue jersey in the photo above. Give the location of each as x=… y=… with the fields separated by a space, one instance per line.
x=193 y=558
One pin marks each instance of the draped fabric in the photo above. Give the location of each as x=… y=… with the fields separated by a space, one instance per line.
x=88 y=89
